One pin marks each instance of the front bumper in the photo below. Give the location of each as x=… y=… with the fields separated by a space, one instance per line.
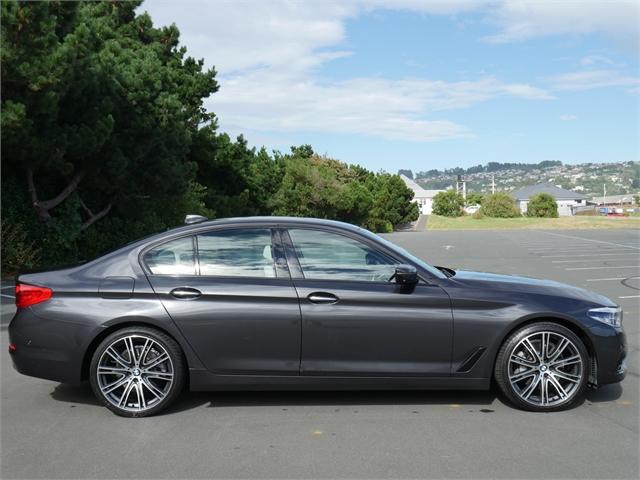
x=610 y=345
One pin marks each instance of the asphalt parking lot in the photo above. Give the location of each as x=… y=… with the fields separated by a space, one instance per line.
x=56 y=431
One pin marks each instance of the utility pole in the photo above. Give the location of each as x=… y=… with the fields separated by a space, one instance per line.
x=604 y=197
x=493 y=183
x=461 y=180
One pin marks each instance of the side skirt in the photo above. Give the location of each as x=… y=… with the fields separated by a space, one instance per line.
x=203 y=380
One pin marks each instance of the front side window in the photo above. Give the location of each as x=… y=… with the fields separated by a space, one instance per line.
x=236 y=253
x=331 y=256
x=172 y=258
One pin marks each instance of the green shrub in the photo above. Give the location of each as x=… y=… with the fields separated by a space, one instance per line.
x=542 y=205
x=448 y=204
x=478 y=215
x=18 y=252
x=474 y=198
x=499 y=205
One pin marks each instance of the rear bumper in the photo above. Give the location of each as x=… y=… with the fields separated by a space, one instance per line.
x=49 y=349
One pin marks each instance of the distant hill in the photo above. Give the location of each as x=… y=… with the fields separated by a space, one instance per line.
x=587 y=178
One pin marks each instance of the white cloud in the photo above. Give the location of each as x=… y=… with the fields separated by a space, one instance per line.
x=590 y=79
x=568 y=118
x=392 y=109
x=267 y=54
x=236 y=35
x=591 y=60
x=523 y=19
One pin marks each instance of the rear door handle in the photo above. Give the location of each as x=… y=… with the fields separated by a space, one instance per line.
x=185 y=293
x=322 y=297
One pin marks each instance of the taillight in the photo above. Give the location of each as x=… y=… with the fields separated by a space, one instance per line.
x=27 y=295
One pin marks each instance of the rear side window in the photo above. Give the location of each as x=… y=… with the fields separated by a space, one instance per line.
x=172 y=258
x=236 y=253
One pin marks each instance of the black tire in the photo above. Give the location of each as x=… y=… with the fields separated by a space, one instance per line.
x=168 y=390
x=516 y=380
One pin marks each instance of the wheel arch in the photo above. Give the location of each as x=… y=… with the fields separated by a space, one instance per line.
x=105 y=332
x=571 y=324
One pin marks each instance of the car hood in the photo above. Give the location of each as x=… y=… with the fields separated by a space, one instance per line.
x=520 y=284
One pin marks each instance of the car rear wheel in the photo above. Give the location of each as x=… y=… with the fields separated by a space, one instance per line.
x=137 y=371
x=543 y=367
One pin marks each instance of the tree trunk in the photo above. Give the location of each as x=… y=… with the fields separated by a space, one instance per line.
x=93 y=217
x=42 y=207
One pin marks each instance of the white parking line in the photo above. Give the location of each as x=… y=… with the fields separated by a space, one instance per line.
x=630 y=296
x=581 y=245
x=603 y=268
x=586 y=255
x=608 y=279
x=590 y=240
x=576 y=249
x=583 y=260
x=554 y=245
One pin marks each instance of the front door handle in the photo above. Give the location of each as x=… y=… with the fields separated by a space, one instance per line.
x=185 y=293
x=322 y=297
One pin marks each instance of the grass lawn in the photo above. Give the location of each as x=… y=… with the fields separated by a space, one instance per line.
x=436 y=222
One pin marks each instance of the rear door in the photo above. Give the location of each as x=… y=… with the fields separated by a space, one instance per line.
x=354 y=320
x=230 y=293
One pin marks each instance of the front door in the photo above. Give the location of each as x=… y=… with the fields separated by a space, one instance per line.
x=230 y=294
x=357 y=322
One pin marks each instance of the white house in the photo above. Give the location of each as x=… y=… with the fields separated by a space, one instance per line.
x=566 y=199
x=424 y=198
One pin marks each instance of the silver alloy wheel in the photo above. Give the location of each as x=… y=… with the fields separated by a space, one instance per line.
x=135 y=373
x=545 y=369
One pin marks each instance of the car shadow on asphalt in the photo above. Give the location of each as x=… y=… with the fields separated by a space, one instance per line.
x=82 y=394
x=606 y=393
x=74 y=394
x=332 y=398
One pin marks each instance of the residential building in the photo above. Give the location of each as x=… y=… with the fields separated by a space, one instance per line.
x=567 y=200
x=626 y=200
x=424 y=198
x=616 y=203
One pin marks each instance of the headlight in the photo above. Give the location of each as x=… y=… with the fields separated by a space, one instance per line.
x=610 y=315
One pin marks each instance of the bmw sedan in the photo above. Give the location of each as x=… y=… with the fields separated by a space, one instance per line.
x=293 y=303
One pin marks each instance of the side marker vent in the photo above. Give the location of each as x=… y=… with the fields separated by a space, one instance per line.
x=471 y=360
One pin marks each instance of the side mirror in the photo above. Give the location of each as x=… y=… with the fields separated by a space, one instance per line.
x=405 y=275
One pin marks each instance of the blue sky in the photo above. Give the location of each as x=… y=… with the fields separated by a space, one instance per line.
x=422 y=84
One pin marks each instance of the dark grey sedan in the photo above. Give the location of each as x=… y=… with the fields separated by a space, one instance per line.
x=292 y=303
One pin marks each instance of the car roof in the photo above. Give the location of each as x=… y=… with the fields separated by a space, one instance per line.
x=259 y=220
x=273 y=220
x=196 y=227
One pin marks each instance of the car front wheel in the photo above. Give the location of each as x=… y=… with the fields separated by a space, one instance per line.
x=137 y=371
x=543 y=367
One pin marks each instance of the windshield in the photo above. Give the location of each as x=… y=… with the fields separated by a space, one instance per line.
x=432 y=270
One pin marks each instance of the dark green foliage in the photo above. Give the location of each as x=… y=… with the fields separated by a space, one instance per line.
x=542 y=205
x=17 y=249
x=406 y=173
x=448 y=204
x=321 y=187
x=499 y=205
x=106 y=139
x=99 y=110
x=474 y=198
